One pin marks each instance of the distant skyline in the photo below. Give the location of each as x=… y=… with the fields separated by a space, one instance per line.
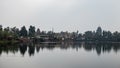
x=62 y=15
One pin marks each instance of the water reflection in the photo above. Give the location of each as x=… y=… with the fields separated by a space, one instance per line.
x=33 y=48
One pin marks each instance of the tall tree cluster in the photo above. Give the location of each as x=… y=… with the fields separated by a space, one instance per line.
x=31 y=31
x=101 y=35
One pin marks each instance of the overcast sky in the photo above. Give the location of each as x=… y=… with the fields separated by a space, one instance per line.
x=62 y=15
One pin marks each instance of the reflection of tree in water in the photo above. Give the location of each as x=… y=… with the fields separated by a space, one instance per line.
x=23 y=48
x=37 y=48
x=8 y=49
x=102 y=47
x=116 y=47
x=31 y=49
x=98 y=47
x=0 y=51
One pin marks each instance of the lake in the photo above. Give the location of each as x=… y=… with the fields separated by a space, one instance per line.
x=60 y=55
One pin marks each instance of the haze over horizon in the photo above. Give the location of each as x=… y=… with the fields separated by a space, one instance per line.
x=62 y=15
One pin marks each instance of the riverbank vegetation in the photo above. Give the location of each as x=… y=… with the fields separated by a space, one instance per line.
x=14 y=35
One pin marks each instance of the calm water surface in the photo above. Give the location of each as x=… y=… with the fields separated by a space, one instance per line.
x=64 y=55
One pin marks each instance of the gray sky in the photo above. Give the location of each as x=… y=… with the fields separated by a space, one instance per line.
x=62 y=15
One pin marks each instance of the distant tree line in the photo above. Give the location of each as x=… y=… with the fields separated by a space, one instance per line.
x=101 y=35
x=98 y=35
x=16 y=32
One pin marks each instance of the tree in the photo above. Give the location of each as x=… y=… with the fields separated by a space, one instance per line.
x=88 y=35
x=15 y=32
x=1 y=32
x=6 y=32
x=116 y=36
x=1 y=28
x=7 y=29
x=23 y=32
x=107 y=35
x=38 y=32
x=98 y=35
x=99 y=31
x=31 y=31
